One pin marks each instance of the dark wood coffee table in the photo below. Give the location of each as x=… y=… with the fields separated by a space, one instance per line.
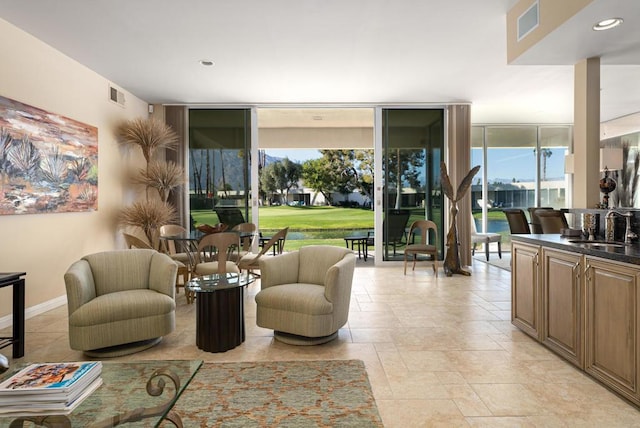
x=220 y=310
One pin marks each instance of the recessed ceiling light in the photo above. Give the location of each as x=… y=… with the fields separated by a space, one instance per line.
x=206 y=62
x=607 y=24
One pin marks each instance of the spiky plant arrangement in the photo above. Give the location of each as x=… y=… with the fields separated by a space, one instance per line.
x=151 y=135
x=148 y=216
x=162 y=176
x=148 y=134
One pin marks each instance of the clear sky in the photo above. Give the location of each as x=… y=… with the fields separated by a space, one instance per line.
x=519 y=164
x=299 y=155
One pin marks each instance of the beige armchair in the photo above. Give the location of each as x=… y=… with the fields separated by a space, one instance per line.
x=120 y=301
x=305 y=294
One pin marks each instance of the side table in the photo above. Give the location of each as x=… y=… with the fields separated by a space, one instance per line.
x=220 y=310
x=16 y=280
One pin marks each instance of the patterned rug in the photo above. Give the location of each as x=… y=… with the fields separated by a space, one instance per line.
x=333 y=393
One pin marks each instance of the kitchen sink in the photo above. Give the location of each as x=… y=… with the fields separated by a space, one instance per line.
x=598 y=244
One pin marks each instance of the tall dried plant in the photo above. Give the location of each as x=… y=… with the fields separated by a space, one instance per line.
x=148 y=216
x=162 y=176
x=151 y=135
x=148 y=134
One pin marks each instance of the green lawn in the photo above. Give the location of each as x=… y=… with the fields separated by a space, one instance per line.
x=309 y=225
x=302 y=218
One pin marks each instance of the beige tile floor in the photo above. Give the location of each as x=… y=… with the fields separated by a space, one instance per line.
x=439 y=352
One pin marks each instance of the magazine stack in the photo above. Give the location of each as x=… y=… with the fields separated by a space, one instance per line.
x=49 y=388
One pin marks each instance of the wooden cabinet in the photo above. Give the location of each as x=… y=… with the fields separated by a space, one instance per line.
x=584 y=308
x=525 y=289
x=612 y=325
x=561 y=300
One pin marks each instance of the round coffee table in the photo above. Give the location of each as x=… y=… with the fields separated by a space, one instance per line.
x=220 y=310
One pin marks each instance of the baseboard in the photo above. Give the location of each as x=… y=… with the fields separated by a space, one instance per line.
x=32 y=311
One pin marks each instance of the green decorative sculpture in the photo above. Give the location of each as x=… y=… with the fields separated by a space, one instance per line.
x=452 y=259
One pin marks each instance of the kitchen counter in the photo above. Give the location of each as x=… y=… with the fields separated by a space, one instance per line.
x=627 y=253
x=583 y=303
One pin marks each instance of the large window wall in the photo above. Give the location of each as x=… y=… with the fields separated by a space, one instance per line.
x=522 y=166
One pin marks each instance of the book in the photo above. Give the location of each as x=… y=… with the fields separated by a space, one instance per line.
x=48 y=408
x=49 y=382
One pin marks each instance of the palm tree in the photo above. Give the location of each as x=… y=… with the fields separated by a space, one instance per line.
x=545 y=153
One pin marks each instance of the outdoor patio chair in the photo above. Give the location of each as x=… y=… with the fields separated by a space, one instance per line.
x=394 y=227
x=230 y=216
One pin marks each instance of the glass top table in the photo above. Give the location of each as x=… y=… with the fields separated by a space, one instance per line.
x=215 y=282
x=125 y=396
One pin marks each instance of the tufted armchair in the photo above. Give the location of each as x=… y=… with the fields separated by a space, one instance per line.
x=120 y=301
x=305 y=294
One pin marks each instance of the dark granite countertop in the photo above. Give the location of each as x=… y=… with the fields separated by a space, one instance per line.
x=628 y=253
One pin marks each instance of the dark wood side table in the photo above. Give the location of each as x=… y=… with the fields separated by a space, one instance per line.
x=220 y=310
x=16 y=280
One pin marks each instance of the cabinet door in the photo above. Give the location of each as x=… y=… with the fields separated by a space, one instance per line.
x=612 y=324
x=561 y=304
x=525 y=306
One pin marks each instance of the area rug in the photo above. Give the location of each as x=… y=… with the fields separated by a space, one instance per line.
x=332 y=393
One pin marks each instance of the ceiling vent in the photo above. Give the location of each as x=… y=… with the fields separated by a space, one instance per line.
x=116 y=96
x=528 y=21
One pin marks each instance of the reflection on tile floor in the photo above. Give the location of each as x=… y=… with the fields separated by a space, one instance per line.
x=439 y=352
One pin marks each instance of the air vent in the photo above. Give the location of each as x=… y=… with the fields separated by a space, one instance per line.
x=116 y=96
x=528 y=21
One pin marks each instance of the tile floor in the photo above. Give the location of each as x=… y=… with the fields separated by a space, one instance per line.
x=439 y=352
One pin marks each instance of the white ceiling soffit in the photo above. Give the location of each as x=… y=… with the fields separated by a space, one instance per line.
x=337 y=52
x=575 y=40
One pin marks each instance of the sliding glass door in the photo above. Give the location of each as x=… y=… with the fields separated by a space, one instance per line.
x=412 y=146
x=219 y=159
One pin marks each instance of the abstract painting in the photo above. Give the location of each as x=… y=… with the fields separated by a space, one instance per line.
x=48 y=162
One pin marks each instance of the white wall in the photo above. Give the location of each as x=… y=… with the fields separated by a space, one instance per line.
x=44 y=245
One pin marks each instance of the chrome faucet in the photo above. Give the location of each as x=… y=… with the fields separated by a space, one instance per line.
x=609 y=226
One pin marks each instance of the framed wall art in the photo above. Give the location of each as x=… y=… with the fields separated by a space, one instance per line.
x=48 y=162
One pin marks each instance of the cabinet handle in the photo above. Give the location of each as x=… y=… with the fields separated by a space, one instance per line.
x=576 y=271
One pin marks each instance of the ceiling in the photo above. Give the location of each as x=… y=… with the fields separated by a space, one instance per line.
x=335 y=52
